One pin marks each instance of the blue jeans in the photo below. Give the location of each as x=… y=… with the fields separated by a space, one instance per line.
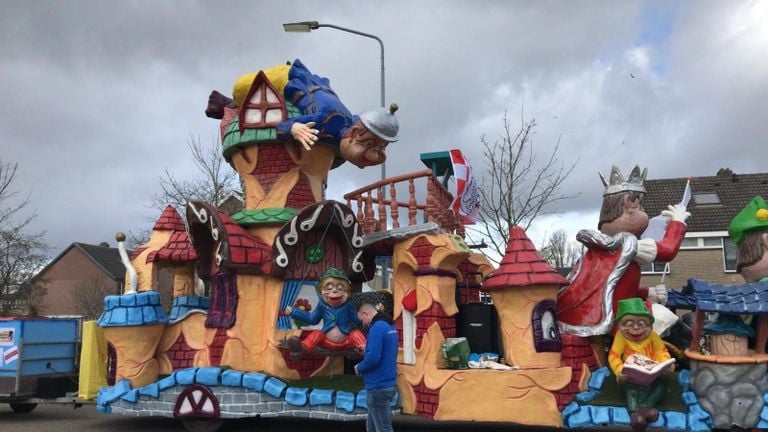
x=379 y=403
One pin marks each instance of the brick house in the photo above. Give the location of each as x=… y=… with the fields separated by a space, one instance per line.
x=78 y=279
x=706 y=252
x=80 y=266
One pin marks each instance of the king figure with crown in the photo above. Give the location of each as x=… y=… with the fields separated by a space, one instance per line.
x=609 y=271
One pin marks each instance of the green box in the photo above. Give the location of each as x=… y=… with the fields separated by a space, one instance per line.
x=456 y=352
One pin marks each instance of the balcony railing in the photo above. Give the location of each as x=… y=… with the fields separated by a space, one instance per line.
x=378 y=208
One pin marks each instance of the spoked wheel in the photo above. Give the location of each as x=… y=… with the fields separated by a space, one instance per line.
x=22 y=408
x=198 y=409
x=202 y=424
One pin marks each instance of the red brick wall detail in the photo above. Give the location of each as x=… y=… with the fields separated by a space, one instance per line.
x=576 y=352
x=424 y=320
x=216 y=349
x=434 y=314
x=274 y=161
x=422 y=250
x=427 y=401
x=301 y=194
x=180 y=354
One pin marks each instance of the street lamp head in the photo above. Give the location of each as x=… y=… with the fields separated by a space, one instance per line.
x=301 y=27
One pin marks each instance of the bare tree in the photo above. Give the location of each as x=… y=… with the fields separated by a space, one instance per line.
x=214 y=179
x=22 y=254
x=88 y=298
x=559 y=251
x=515 y=187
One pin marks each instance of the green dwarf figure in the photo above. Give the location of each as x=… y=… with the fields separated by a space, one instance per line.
x=749 y=230
x=638 y=357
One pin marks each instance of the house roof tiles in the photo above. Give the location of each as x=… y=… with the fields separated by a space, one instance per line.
x=522 y=266
x=735 y=192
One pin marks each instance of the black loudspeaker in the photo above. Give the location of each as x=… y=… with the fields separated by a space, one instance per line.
x=479 y=323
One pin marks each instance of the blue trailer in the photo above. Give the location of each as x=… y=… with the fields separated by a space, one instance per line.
x=38 y=361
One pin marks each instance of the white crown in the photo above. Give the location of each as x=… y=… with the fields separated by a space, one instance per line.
x=617 y=183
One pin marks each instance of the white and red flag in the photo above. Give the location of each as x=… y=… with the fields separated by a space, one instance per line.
x=11 y=354
x=467 y=201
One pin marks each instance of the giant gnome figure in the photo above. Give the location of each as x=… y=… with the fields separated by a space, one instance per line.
x=749 y=230
x=609 y=271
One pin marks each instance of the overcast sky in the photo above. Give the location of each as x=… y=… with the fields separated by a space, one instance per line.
x=98 y=98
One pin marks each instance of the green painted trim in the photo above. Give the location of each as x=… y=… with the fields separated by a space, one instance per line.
x=264 y=216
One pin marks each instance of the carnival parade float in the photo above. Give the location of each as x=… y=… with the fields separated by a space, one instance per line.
x=260 y=323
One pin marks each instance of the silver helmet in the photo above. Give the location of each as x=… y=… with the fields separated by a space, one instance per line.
x=382 y=123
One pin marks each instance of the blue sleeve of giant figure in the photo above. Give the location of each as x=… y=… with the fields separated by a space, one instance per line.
x=315 y=99
x=284 y=128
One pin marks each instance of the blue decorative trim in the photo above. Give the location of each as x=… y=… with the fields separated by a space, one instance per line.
x=254 y=381
x=183 y=306
x=138 y=309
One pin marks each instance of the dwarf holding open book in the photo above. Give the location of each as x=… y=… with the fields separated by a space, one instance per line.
x=638 y=358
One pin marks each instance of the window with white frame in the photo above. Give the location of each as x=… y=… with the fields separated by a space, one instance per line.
x=657 y=267
x=715 y=240
x=730 y=250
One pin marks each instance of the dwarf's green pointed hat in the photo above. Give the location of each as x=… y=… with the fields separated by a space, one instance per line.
x=753 y=217
x=332 y=272
x=632 y=306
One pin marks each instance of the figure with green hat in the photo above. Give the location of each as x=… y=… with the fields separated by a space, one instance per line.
x=749 y=230
x=635 y=338
x=338 y=316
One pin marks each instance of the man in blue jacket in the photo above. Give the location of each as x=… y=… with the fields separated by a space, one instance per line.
x=379 y=367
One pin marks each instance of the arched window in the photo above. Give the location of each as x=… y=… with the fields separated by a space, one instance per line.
x=546 y=335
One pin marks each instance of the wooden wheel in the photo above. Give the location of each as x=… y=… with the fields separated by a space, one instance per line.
x=198 y=409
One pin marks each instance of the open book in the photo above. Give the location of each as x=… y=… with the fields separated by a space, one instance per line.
x=643 y=371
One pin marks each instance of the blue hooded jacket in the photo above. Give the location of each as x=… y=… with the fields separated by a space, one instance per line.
x=379 y=365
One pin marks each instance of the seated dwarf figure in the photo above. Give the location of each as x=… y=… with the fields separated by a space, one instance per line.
x=636 y=336
x=338 y=316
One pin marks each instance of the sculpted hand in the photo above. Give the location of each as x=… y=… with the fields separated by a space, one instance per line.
x=676 y=213
x=658 y=294
x=304 y=134
x=288 y=310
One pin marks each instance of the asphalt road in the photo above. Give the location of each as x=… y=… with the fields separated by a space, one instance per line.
x=58 y=418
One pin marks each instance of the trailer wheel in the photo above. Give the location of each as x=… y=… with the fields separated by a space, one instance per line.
x=22 y=408
x=202 y=424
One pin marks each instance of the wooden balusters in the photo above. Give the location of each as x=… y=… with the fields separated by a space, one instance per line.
x=370 y=222
x=411 y=202
x=381 y=209
x=393 y=204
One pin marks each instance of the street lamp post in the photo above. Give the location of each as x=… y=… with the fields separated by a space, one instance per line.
x=308 y=26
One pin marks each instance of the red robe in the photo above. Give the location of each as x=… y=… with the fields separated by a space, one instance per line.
x=583 y=308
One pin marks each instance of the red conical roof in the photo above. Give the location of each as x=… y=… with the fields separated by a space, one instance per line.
x=170 y=220
x=522 y=266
